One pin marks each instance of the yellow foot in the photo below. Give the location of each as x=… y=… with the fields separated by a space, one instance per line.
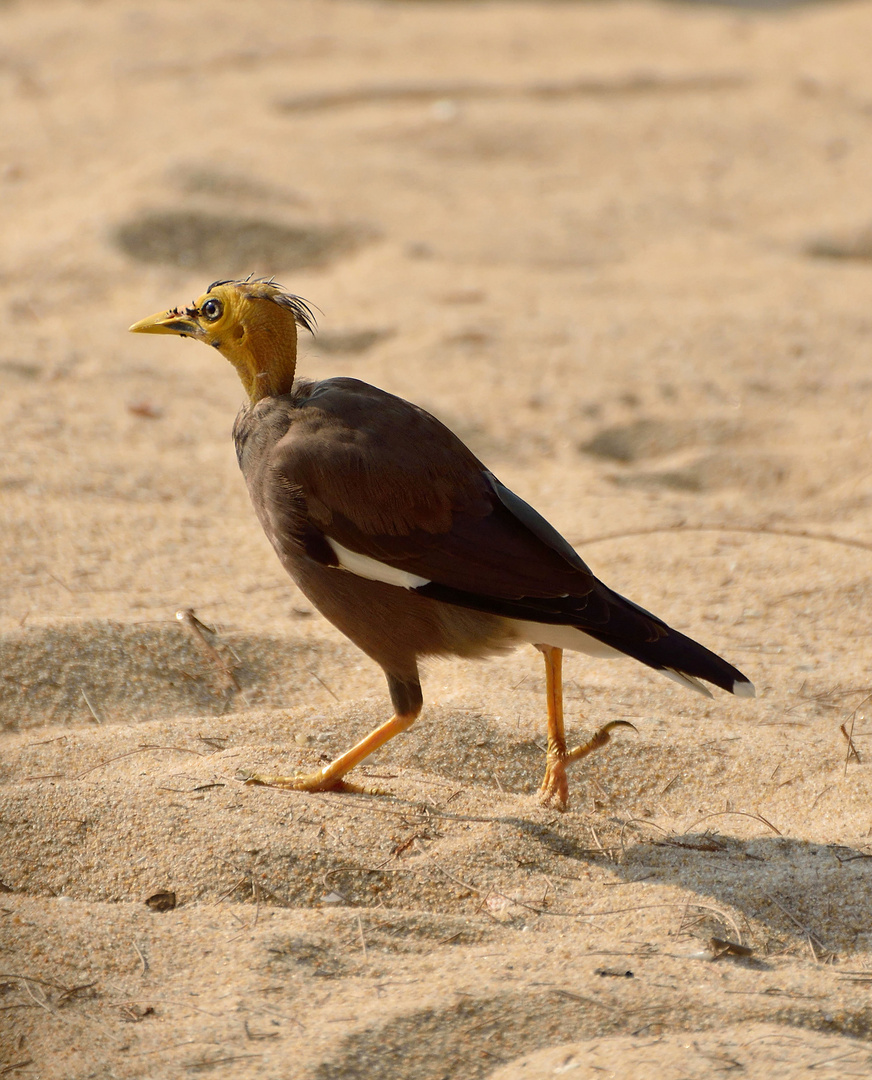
x=555 y=787
x=554 y=791
x=309 y=782
x=598 y=740
x=315 y=781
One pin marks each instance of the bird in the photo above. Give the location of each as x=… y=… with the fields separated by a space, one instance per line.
x=404 y=540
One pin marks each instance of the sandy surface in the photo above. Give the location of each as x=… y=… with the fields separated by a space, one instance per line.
x=624 y=250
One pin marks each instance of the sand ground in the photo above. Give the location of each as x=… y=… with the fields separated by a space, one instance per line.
x=625 y=250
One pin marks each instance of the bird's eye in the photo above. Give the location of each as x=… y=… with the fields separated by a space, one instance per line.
x=212 y=310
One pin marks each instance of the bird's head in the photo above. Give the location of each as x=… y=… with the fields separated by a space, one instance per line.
x=253 y=323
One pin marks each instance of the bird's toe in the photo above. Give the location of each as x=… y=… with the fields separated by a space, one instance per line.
x=303 y=782
x=554 y=791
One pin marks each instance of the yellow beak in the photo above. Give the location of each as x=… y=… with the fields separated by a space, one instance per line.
x=168 y=322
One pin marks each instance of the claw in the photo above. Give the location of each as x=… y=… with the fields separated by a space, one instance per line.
x=598 y=739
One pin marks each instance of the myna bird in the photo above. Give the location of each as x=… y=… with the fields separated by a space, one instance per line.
x=402 y=538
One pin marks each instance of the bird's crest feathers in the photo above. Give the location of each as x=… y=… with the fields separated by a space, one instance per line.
x=269 y=289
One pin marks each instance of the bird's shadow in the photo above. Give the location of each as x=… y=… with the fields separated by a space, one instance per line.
x=774 y=891
x=777 y=894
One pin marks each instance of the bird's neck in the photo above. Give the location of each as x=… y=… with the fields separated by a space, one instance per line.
x=265 y=357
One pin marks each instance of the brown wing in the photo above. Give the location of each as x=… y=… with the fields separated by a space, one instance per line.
x=389 y=481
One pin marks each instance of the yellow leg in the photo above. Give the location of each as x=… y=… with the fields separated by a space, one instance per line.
x=330 y=776
x=555 y=786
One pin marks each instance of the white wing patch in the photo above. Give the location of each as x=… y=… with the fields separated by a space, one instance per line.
x=563 y=637
x=373 y=570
